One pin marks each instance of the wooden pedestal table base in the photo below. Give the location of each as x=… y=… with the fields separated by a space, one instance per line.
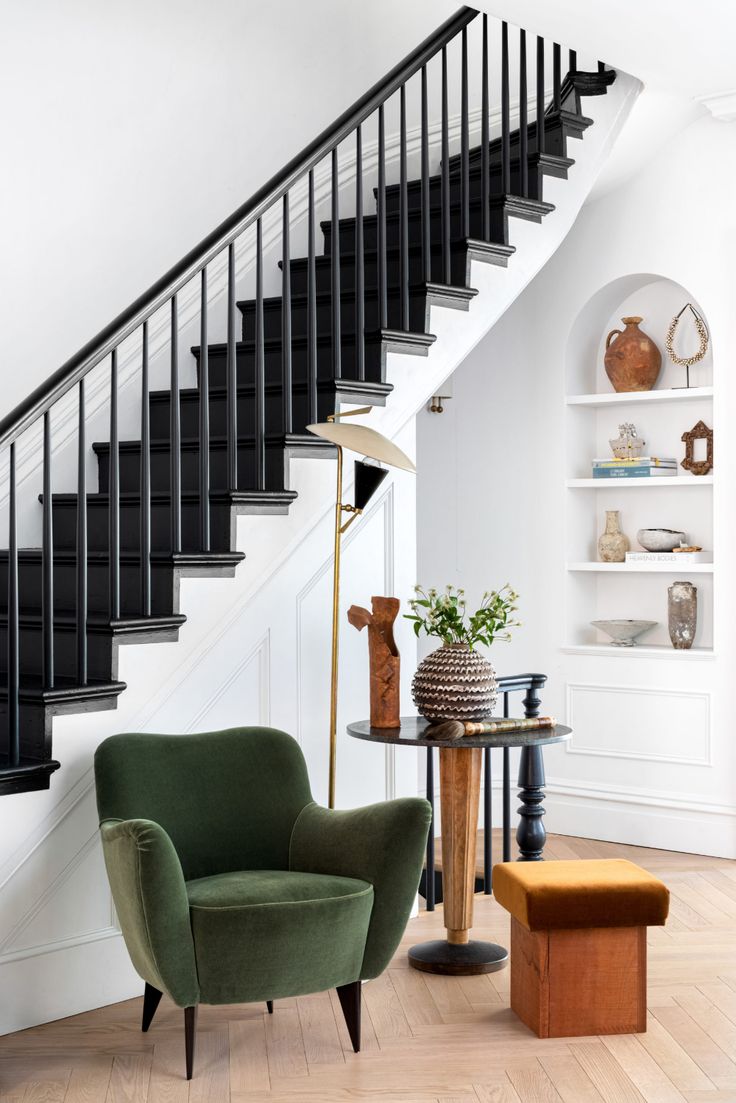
x=460 y=772
x=459 y=797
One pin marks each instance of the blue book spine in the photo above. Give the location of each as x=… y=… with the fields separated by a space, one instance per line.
x=644 y=471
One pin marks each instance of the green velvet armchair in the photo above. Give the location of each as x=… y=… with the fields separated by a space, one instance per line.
x=232 y=886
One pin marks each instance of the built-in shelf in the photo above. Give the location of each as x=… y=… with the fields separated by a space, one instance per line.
x=646 y=566
x=640 y=651
x=647 y=481
x=627 y=398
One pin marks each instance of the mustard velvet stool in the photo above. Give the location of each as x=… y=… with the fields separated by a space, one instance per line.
x=579 y=943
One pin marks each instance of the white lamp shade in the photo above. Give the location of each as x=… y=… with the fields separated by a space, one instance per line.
x=366 y=442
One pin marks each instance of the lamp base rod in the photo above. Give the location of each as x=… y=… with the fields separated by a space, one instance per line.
x=335 y=634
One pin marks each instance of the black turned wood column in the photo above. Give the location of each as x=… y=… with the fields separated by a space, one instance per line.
x=530 y=834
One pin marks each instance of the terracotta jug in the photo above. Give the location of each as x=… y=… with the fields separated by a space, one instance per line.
x=632 y=359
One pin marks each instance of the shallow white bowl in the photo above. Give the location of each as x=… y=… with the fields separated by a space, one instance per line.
x=624 y=633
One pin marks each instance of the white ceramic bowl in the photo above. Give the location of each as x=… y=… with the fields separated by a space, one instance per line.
x=660 y=540
x=624 y=633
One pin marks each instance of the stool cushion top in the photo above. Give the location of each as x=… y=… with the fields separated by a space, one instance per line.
x=565 y=895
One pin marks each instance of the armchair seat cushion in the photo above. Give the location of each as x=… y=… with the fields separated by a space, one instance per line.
x=264 y=934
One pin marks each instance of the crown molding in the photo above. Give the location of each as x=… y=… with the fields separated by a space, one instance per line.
x=722 y=105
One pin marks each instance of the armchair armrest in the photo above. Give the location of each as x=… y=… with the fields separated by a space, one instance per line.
x=150 y=897
x=382 y=844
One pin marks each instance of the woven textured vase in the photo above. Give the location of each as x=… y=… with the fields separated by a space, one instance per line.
x=454 y=683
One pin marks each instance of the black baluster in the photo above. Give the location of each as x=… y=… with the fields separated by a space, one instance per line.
x=485 y=174
x=505 y=113
x=204 y=422
x=260 y=396
x=403 y=214
x=286 y=319
x=335 y=269
x=232 y=375
x=145 y=502
x=530 y=833
x=359 y=259
x=487 y=823
x=429 y=874
x=382 y=277
x=113 y=493
x=556 y=76
x=311 y=307
x=573 y=61
x=523 y=121
x=13 y=621
x=426 y=227
x=445 y=185
x=464 y=140
x=601 y=66
x=506 y=792
x=175 y=434
x=48 y=559
x=81 y=542
x=540 y=94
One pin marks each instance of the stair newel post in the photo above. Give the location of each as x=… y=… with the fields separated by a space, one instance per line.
x=523 y=119
x=113 y=493
x=286 y=318
x=556 y=76
x=204 y=422
x=381 y=210
x=260 y=396
x=175 y=434
x=426 y=228
x=403 y=213
x=81 y=594
x=445 y=185
x=464 y=139
x=13 y=627
x=540 y=94
x=505 y=113
x=48 y=559
x=335 y=268
x=231 y=382
x=311 y=306
x=145 y=502
x=485 y=173
x=359 y=259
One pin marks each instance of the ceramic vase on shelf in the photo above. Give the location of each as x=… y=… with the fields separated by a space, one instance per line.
x=613 y=544
x=682 y=614
x=454 y=683
x=632 y=360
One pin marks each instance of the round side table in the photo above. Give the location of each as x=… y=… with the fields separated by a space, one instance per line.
x=460 y=771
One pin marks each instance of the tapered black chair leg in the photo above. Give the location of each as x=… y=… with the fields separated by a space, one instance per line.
x=190 y=1030
x=350 y=1001
x=151 y=1000
x=269 y=1005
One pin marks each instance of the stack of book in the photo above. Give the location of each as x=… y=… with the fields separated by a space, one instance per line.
x=676 y=557
x=637 y=468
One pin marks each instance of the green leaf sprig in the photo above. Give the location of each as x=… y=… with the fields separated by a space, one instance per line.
x=445 y=616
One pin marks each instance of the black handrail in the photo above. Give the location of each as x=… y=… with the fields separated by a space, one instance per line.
x=139 y=311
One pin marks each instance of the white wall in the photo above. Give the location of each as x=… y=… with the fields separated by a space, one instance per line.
x=493 y=468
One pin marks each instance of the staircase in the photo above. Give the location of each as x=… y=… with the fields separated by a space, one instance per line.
x=108 y=566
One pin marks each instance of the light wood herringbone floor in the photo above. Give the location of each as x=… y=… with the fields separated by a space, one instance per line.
x=425 y=1038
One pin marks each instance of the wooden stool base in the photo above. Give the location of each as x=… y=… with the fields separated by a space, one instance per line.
x=579 y=982
x=464 y=959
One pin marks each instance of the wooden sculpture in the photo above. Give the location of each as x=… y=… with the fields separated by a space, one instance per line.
x=383 y=658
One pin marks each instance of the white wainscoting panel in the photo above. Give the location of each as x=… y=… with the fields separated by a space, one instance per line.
x=635 y=722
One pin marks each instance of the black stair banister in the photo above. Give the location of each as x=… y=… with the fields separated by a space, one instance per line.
x=165 y=505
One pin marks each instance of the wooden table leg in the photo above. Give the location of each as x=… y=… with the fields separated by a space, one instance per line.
x=460 y=769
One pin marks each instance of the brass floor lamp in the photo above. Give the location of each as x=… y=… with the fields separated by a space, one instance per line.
x=372 y=446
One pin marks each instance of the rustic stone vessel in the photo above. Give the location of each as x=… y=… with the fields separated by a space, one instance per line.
x=612 y=543
x=633 y=361
x=455 y=683
x=682 y=614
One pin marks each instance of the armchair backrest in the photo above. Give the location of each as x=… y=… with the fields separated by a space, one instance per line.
x=227 y=799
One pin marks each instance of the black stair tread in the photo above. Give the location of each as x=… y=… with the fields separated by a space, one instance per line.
x=217 y=443
x=97 y=622
x=393 y=252
x=65 y=690
x=131 y=558
x=516 y=204
x=324 y=339
x=553 y=161
x=233 y=497
x=301 y=298
x=21 y=778
x=246 y=390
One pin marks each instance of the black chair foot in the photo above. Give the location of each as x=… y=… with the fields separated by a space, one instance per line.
x=190 y=1029
x=269 y=1005
x=350 y=1001
x=151 y=1000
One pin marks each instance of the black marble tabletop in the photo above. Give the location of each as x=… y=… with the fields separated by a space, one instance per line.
x=411 y=734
